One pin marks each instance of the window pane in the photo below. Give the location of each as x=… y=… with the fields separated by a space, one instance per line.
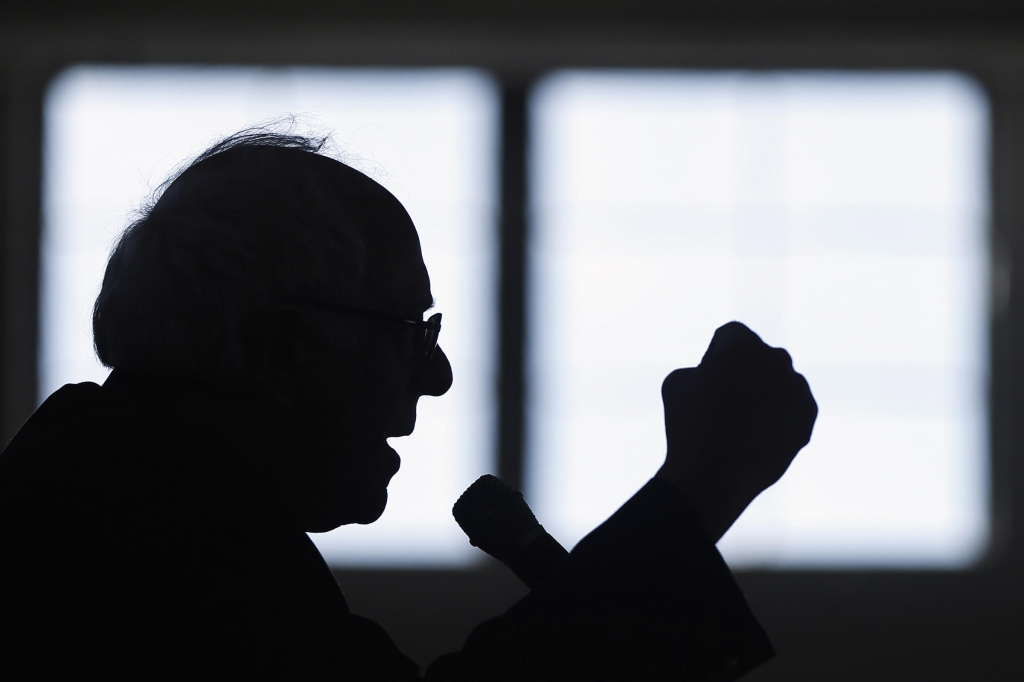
x=842 y=216
x=114 y=133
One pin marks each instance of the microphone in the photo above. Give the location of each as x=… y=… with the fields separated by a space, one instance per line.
x=497 y=520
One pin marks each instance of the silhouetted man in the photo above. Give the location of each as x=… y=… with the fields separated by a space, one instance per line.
x=264 y=323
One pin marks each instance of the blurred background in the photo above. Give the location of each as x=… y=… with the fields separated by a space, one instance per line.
x=597 y=187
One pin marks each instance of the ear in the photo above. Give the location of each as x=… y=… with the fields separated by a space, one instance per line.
x=274 y=351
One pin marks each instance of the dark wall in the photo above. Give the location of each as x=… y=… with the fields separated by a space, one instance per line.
x=826 y=625
x=526 y=12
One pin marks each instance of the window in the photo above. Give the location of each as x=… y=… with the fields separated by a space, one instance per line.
x=841 y=215
x=113 y=133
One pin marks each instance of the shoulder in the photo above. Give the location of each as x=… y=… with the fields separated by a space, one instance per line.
x=57 y=419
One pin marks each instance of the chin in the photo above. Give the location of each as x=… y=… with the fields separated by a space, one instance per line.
x=359 y=499
x=365 y=510
x=371 y=509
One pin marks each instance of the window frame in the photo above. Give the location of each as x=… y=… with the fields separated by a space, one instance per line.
x=912 y=623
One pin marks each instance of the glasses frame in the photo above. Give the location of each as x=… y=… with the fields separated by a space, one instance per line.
x=431 y=327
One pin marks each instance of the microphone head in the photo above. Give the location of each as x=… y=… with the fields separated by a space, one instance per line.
x=495 y=517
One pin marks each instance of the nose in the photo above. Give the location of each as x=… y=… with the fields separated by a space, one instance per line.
x=436 y=376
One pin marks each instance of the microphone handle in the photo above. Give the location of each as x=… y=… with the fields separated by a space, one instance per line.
x=497 y=519
x=539 y=557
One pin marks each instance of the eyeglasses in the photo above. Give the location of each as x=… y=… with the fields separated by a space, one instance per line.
x=428 y=331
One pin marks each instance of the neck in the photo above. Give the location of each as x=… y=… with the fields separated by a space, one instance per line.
x=225 y=429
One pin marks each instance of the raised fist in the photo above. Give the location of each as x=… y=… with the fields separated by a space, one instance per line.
x=734 y=423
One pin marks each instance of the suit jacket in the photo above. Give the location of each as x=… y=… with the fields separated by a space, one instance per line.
x=139 y=538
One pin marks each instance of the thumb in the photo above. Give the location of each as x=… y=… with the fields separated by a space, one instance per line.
x=678 y=384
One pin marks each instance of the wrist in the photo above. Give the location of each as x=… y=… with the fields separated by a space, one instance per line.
x=717 y=505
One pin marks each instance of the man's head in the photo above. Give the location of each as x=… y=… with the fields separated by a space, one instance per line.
x=239 y=278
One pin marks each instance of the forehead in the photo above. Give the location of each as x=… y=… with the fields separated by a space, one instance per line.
x=396 y=278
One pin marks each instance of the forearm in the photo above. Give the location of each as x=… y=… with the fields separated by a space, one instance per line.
x=645 y=594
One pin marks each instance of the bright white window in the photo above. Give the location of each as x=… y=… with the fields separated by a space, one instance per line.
x=114 y=133
x=842 y=216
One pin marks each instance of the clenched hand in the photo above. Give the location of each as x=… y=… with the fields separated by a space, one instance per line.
x=734 y=423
